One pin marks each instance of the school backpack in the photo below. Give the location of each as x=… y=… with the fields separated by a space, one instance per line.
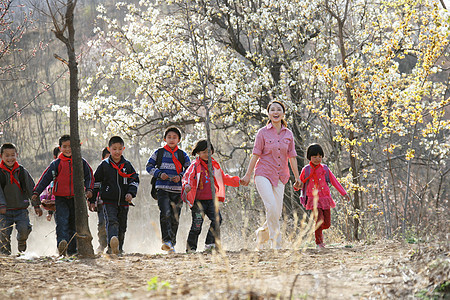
x=22 y=181
x=303 y=197
x=159 y=157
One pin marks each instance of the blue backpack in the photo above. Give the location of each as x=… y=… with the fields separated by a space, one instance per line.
x=303 y=197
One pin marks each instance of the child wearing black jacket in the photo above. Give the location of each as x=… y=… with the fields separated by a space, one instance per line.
x=117 y=182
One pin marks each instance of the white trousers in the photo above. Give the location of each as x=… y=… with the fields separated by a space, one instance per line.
x=273 y=202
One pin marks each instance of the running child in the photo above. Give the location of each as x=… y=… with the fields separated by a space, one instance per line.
x=117 y=182
x=60 y=171
x=101 y=225
x=197 y=186
x=167 y=166
x=315 y=190
x=15 y=193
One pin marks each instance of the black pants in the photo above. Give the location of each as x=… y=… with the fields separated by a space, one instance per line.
x=199 y=210
x=170 y=205
x=116 y=218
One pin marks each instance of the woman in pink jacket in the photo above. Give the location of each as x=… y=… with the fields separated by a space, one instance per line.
x=274 y=149
x=196 y=191
x=315 y=191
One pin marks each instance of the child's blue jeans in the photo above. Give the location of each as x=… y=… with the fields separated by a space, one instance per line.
x=101 y=227
x=199 y=210
x=116 y=222
x=65 y=222
x=21 y=219
x=170 y=205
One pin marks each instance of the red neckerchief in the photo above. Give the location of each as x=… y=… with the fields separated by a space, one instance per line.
x=64 y=158
x=119 y=169
x=215 y=164
x=313 y=173
x=177 y=163
x=11 y=172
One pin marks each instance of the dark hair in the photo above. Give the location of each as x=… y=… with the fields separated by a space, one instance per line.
x=173 y=129
x=63 y=139
x=201 y=145
x=114 y=140
x=313 y=150
x=7 y=146
x=105 y=152
x=56 y=151
x=283 y=121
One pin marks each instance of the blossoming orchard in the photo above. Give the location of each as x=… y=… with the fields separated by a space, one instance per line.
x=367 y=80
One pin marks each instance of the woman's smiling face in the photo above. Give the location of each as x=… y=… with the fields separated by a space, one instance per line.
x=276 y=113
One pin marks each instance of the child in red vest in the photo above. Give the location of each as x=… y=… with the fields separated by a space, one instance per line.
x=60 y=171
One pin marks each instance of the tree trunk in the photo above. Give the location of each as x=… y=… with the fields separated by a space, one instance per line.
x=351 y=135
x=84 y=237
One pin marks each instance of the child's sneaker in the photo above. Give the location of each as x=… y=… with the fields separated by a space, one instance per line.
x=100 y=249
x=190 y=251
x=209 y=248
x=321 y=246
x=114 y=244
x=22 y=247
x=62 y=248
x=167 y=246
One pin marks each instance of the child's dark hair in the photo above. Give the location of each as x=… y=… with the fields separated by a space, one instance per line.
x=313 y=150
x=173 y=129
x=63 y=139
x=105 y=152
x=201 y=145
x=283 y=121
x=114 y=140
x=7 y=146
x=56 y=152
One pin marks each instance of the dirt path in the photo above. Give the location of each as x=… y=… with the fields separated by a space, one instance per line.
x=365 y=271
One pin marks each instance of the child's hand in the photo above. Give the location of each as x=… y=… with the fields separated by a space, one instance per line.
x=176 y=178
x=298 y=185
x=128 y=198
x=164 y=176
x=2 y=210
x=92 y=206
x=347 y=197
x=89 y=195
x=187 y=188
x=245 y=180
x=38 y=210
x=34 y=198
x=49 y=217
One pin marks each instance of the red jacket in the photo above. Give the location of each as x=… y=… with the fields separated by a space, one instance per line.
x=61 y=172
x=192 y=177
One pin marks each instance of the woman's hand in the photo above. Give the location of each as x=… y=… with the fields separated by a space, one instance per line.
x=245 y=180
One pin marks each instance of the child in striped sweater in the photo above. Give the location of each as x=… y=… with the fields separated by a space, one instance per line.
x=167 y=166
